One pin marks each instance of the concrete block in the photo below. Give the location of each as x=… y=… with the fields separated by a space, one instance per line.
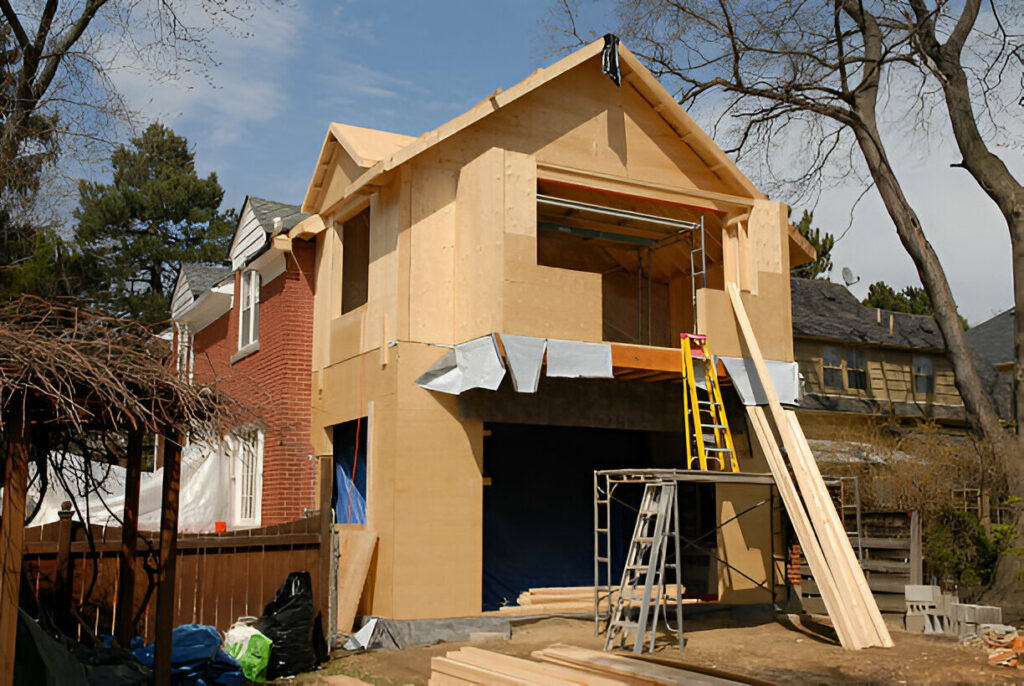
x=922 y=594
x=915 y=623
x=988 y=614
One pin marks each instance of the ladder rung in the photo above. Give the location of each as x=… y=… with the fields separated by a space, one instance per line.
x=601 y=531
x=601 y=559
x=643 y=539
x=625 y=625
x=647 y=566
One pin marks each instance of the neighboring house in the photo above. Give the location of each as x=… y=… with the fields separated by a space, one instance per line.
x=565 y=210
x=860 y=360
x=247 y=327
x=993 y=340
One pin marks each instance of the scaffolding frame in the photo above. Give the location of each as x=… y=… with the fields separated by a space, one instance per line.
x=605 y=483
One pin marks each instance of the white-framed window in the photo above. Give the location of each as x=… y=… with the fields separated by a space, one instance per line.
x=246 y=453
x=249 y=308
x=924 y=375
x=186 y=351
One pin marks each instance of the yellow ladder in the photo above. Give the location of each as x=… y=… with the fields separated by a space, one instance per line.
x=708 y=438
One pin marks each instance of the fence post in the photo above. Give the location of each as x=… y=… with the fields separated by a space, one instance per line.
x=12 y=532
x=168 y=551
x=129 y=541
x=65 y=570
x=326 y=541
x=916 y=565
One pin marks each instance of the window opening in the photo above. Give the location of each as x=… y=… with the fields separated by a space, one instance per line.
x=186 y=351
x=249 y=317
x=924 y=375
x=856 y=374
x=355 y=261
x=248 y=474
x=831 y=367
x=638 y=254
x=350 y=471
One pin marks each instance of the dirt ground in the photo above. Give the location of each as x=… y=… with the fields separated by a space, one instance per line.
x=772 y=651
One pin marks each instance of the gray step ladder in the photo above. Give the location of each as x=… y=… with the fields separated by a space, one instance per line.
x=643 y=589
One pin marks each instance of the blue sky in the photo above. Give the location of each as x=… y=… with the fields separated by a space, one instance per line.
x=260 y=119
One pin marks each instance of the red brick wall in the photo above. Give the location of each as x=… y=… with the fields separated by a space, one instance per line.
x=273 y=382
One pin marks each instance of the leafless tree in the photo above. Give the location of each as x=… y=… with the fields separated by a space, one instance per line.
x=59 y=60
x=820 y=73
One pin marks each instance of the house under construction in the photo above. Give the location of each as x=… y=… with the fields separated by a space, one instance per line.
x=580 y=206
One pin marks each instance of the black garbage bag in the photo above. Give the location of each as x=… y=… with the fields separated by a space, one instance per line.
x=288 y=621
x=40 y=659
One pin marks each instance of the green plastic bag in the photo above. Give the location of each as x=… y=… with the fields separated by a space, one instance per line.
x=252 y=650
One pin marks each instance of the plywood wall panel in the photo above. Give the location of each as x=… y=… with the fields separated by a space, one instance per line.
x=432 y=258
x=767 y=231
x=770 y=317
x=745 y=542
x=479 y=246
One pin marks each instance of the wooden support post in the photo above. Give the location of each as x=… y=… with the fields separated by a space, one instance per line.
x=916 y=566
x=12 y=534
x=65 y=572
x=129 y=537
x=326 y=542
x=168 y=551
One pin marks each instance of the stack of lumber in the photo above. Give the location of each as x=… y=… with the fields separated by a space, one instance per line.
x=555 y=600
x=823 y=539
x=560 y=665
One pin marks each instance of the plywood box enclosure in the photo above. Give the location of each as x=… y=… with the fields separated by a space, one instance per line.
x=550 y=210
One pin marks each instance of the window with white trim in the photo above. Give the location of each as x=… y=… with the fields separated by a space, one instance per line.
x=247 y=476
x=186 y=351
x=249 y=308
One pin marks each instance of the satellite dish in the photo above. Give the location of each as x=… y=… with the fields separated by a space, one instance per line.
x=848 y=277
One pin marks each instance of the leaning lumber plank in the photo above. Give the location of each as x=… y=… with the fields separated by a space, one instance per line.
x=610 y=664
x=538 y=672
x=850 y=605
x=802 y=526
x=356 y=551
x=476 y=675
x=843 y=542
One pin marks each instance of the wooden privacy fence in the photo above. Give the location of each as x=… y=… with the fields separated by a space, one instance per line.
x=890 y=545
x=220 y=577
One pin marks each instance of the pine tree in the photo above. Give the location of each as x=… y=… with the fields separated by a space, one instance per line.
x=157 y=214
x=822 y=243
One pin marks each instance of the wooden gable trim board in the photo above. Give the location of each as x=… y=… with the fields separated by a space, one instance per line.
x=865 y=619
x=644 y=83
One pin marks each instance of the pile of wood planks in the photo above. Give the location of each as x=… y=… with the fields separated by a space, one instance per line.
x=564 y=600
x=560 y=665
x=822 y=536
x=554 y=600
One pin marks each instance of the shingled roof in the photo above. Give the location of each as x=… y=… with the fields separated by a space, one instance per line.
x=202 y=277
x=822 y=309
x=993 y=339
x=267 y=210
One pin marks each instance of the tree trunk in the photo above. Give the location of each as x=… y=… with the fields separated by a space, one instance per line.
x=991 y=174
x=981 y=414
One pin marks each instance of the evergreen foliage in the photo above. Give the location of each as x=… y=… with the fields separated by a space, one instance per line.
x=822 y=243
x=156 y=214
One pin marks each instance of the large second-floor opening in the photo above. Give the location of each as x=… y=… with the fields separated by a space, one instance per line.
x=652 y=254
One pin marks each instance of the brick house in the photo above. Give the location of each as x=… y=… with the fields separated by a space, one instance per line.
x=247 y=327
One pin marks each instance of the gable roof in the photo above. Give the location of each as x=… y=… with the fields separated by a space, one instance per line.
x=200 y=277
x=634 y=75
x=366 y=147
x=267 y=210
x=993 y=339
x=255 y=227
x=822 y=309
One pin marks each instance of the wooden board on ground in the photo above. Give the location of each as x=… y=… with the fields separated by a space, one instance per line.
x=356 y=551
x=638 y=671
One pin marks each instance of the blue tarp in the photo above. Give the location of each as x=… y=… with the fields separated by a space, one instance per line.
x=346 y=461
x=196 y=657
